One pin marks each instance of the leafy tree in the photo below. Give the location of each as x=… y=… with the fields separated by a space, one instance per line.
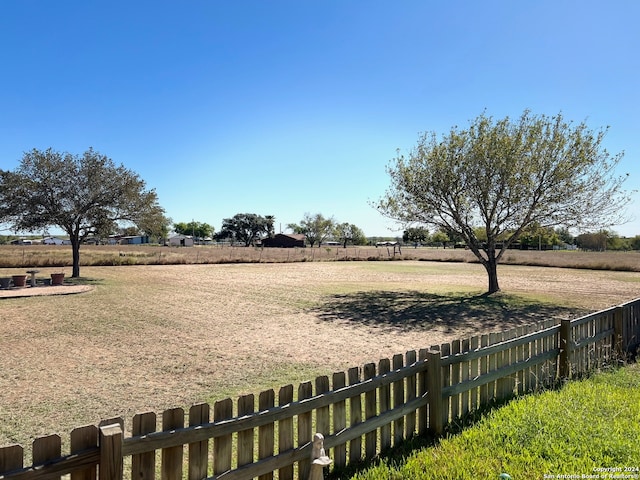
x=502 y=176
x=246 y=227
x=315 y=227
x=82 y=194
x=481 y=234
x=616 y=242
x=415 y=235
x=564 y=235
x=440 y=237
x=269 y=220
x=199 y=230
x=156 y=226
x=349 y=233
x=535 y=237
x=129 y=231
x=593 y=241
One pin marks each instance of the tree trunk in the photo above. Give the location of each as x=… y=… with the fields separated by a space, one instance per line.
x=492 y=271
x=75 y=249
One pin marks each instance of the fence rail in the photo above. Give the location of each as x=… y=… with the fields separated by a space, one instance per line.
x=361 y=412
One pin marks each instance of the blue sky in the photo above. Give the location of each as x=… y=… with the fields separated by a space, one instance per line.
x=281 y=107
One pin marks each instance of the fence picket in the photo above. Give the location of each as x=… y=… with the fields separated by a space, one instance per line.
x=246 y=406
x=455 y=379
x=607 y=343
x=437 y=418
x=519 y=357
x=370 y=410
x=11 y=458
x=593 y=331
x=529 y=354
x=198 y=451
x=493 y=366
x=501 y=361
x=464 y=376
x=384 y=393
x=355 y=412
x=398 y=400
x=552 y=364
x=512 y=385
x=222 y=446
x=305 y=390
x=605 y=353
x=46 y=449
x=484 y=369
x=542 y=367
x=632 y=319
x=323 y=423
x=474 y=344
x=143 y=465
x=597 y=346
x=171 y=467
x=285 y=431
x=445 y=350
x=339 y=421
x=577 y=336
x=411 y=385
x=83 y=438
x=586 y=348
x=423 y=413
x=266 y=440
x=586 y=327
x=510 y=358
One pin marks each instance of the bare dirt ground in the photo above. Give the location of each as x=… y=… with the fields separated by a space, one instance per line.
x=44 y=291
x=154 y=337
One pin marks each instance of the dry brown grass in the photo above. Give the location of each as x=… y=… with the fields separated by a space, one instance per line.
x=117 y=255
x=153 y=337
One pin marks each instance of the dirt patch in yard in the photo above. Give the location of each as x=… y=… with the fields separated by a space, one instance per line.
x=44 y=290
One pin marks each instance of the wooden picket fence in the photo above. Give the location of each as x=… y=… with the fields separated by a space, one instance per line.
x=361 y=412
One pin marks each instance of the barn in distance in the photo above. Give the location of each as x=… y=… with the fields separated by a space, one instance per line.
x=283 y=240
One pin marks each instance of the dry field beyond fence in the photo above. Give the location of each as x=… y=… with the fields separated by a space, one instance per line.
x=15 y=256
x=154 y=337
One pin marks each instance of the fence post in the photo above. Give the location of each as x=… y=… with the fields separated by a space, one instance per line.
x=434 y=385
x=619 y=346
x=565 y=349
x=110 y=452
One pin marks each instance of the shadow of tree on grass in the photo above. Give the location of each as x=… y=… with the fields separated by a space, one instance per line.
x=450 y=313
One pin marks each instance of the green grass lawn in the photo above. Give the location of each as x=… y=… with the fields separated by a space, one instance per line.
x=588 y=427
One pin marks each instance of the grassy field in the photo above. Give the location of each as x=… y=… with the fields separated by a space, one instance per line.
x=154 y=337
x=588 y=429
x=120 y=255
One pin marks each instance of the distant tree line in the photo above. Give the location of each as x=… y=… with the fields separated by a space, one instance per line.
x=249 y=228
x=533 y=238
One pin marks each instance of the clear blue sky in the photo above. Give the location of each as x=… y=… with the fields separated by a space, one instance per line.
x=284 y=107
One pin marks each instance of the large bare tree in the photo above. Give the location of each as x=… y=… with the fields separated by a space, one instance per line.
x=502 y=176
x=82 y=194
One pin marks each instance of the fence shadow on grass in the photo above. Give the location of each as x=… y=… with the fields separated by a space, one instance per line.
x=415 y=310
